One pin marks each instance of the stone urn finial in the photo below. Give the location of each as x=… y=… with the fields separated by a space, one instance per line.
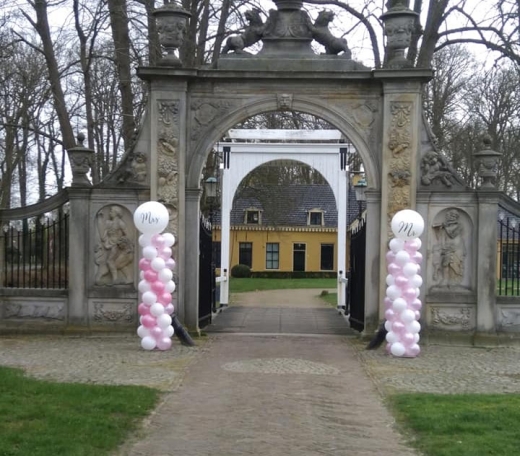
x=399 y=23
x=80 y=159
x=172 y=24
x=288 y=4
x=486 y=161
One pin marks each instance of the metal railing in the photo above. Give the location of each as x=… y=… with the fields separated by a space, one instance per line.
x=508 y=264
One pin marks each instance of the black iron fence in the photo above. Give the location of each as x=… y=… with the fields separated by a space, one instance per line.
x=35 y=252
x=508 y=251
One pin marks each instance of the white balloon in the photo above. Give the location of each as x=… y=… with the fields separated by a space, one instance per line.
x=151 y=217
x=144 y=286
x=148 y=343
x=157 y=309
x=169 y=239
x=402 y=257
x=392 y=337
x=149 y=298
x=388 y=325
x=414 y=327
x=410 y=269
x=145 y=239
x=165 y=275
x=397 y=349
x=164 y=320
x=170 y=286
x=399 y=305
x=407 y=316
x=158 y=264
x=407 y=224
x=149 y=252
x=393 y=292
x=143 y=331
x=396 y=245
x=416 y=281
x=168 y=332
x=390 y=280
x=416 y=338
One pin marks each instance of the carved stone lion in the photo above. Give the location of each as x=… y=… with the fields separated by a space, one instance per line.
x=252 y=34
x=321 y=33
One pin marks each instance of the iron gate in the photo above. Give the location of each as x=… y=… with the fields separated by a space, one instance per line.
x=356 y=286
x=206 y=274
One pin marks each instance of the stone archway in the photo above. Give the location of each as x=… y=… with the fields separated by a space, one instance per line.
x=190 y=109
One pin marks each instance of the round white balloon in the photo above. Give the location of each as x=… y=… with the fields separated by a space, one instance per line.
x=158 y=264
x=169 y=239
x=143 y=331
x=148 y=343
x=157 y=309
x=397 y=349
x=407 y=224
x=414 y=327
x=410 y=269
x=393 y=292
x=169 y=331
x=151 y=218
x=402 y=257
x=165 y=275
x=407 y=316
x=149 y=298
x=144 y=286
x=396 y=245
x=399 y=305
x=170 y=286
x=164 y=320
x=416 y=338
x=149 y=252
x=392 y=337
x=388 y=325
x=416 y=281
x=390 y=280
x=145 y=239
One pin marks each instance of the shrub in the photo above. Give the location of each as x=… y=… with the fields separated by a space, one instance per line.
x=240 y=271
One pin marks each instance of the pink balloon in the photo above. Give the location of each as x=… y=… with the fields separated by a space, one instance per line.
x=164 y=298
x=413 y=350
x=410 y=294
x=388 y=302
x=169 y=308
x=416 y=304
x=408 y=339
x=158 y=287
x=417 y=315
x=390 y=257
x=170 y=263
x=165 y=253
x=389 y=315
x=413 y=244
x=164 y=343
x=397 y=326
x=388 y=347
x=401 y=281
x=143 y=309
x=148 y=321
x=417 y=257
x=394 y=268
x=158 y=241
x=144 y=264
x=156 y=332
x=150 y=275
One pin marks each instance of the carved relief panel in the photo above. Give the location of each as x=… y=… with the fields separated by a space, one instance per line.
x=114 y=246
x=451 y=251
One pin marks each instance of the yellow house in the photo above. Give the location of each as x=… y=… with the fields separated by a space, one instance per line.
x=281 y=230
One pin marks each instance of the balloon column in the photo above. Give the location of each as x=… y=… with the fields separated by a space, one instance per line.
x=156 y=285
x=402 y=305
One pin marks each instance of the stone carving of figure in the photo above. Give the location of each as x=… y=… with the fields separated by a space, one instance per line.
x=252 y=33
x=115 y=250
x=434 y=168
x=322 y=34
x=450 y=252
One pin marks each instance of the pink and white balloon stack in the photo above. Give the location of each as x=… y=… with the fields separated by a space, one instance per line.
x=156 y=285
x=402 y=303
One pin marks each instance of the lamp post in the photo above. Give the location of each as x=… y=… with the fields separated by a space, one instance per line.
x=360 y=188
x=210 y=188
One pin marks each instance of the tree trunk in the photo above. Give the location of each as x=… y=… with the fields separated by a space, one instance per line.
x=431 y=32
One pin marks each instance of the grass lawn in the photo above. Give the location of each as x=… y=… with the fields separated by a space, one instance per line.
x=40 y=418
x=460 y=425
x=243 y=285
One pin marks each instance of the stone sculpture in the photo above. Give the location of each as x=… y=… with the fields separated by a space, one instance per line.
x=252 y=33
x=322 y=34
x=435 y=169
x=114 y=253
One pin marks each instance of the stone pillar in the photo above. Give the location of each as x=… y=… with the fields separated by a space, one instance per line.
x=168 y=145
x=487 y=260
x=400 y=148
x=374 y=308
x=189 y=308
x=79 y=222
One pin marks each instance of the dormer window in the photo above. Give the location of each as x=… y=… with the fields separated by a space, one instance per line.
x=253 y=217
x=315 y=217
